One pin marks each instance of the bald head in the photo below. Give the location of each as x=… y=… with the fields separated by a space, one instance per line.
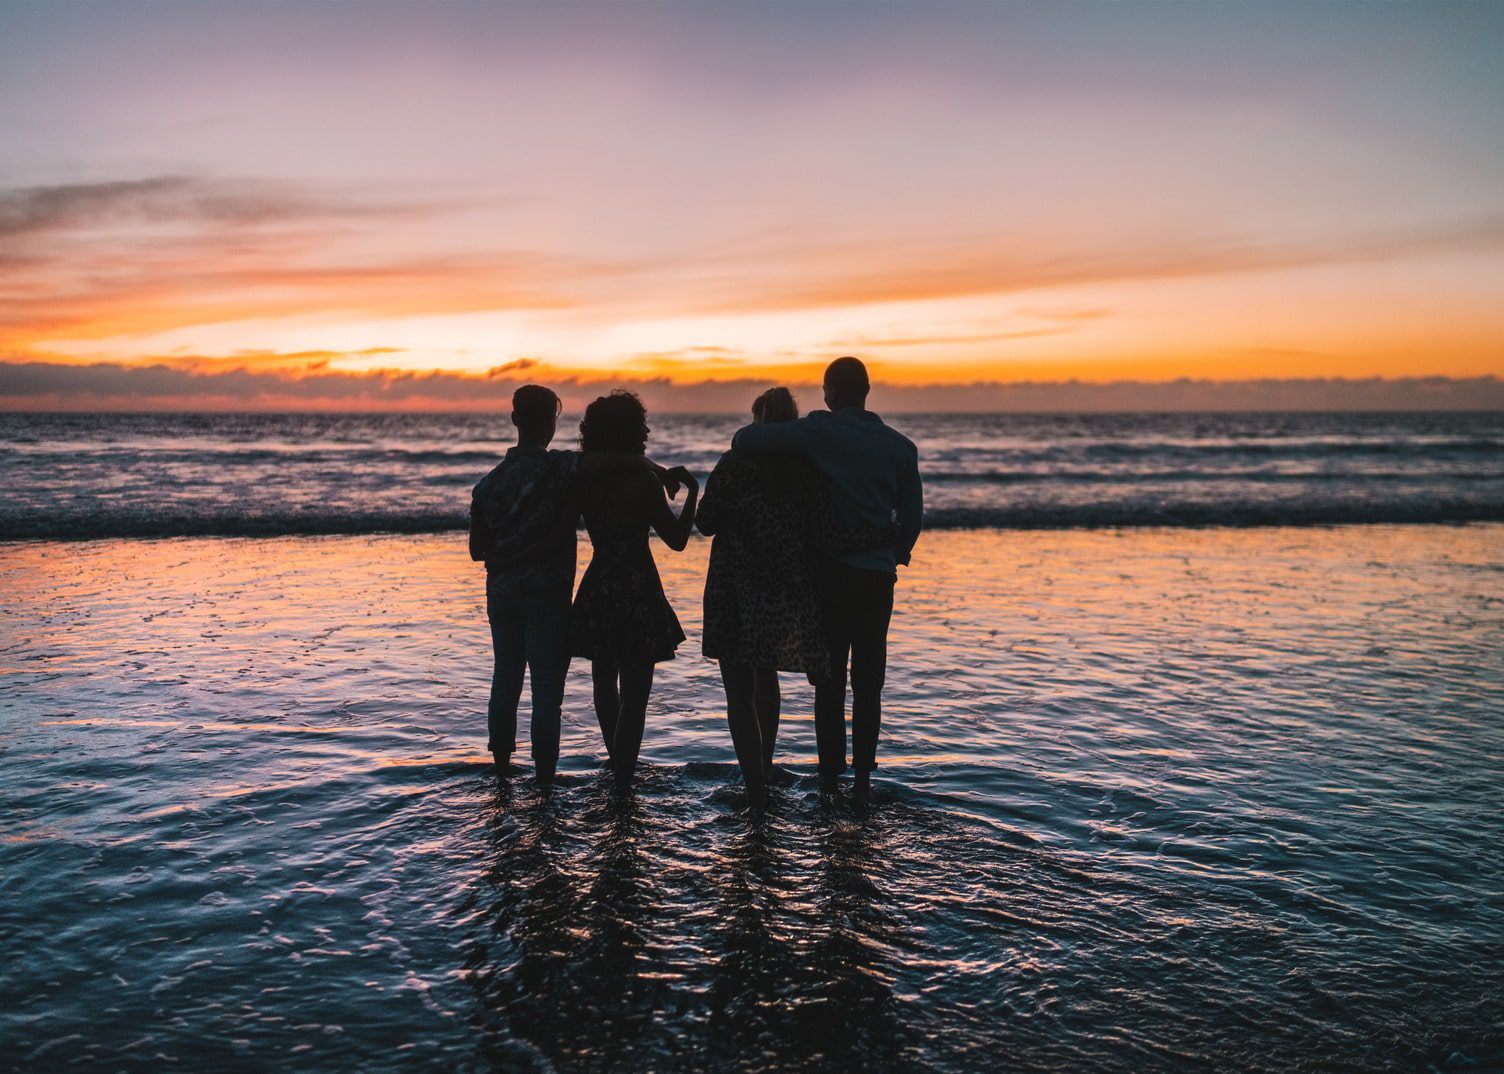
x=846 y=384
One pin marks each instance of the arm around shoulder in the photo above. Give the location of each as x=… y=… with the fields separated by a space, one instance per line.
x=593 y=465
x=776 y=438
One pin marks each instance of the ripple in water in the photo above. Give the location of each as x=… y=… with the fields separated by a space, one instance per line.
x=1150 y=800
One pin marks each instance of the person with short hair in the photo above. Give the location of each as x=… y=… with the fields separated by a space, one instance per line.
x=523 y=519
x=872 y=471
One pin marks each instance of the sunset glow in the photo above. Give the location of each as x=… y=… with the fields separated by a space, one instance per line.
x=694 y=195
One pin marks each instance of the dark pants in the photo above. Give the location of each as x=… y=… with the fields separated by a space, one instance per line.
x=857 y=605
x=531 y=631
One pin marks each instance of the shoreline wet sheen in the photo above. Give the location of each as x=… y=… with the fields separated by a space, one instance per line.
x=1149 y=799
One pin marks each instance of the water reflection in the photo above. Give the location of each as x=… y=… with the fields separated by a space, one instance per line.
x=769 y=946
x=1228 y=819
x=802 y=974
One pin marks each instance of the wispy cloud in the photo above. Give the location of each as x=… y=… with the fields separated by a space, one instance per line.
x=145 y=255
x=492 y=182
x=866 y=274
x=95 y=260
x=113 y=268
x=217 y=384
x=940 y=339
x=172 y=199
x=286 y=363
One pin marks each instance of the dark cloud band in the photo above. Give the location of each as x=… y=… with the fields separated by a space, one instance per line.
x=50 y=385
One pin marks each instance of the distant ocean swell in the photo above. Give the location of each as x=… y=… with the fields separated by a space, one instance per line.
x=1216 y=457
x=87 y=476
x=1010 y=477
x=124 y=523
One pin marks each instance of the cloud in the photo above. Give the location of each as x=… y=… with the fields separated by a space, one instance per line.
x=1065 y=314
x=520 y=365
x=139 y=256
x=215 y=385
x=42 y=210
x=294 y=363
x=939 y=339
x=101 y=268
x=95 y=260
x=865 y=274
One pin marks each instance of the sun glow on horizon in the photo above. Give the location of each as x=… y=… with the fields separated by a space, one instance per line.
x=988 y=194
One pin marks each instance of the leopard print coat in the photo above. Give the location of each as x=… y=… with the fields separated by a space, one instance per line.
x=770 y=515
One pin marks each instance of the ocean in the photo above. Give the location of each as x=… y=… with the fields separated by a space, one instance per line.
x=1192 y=745
x=177 y=475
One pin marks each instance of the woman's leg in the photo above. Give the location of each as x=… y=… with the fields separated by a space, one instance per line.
x=746 y=734
x=768 y=701
x=636 y=684
x=607 y=699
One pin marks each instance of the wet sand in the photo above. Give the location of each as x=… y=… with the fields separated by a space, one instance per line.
x=1151 y=798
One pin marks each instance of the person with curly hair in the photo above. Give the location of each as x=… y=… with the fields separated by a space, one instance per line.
x=621 y=620
x=523 y=516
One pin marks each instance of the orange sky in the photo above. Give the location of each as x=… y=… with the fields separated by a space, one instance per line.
x=728 y=193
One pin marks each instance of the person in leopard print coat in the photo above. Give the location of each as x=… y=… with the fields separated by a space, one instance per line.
x=768 y=515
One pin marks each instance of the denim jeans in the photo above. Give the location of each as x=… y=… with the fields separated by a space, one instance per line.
x=857 y=605
x=529 y=630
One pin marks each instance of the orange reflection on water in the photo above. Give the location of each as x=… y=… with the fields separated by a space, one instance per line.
x=379 y=645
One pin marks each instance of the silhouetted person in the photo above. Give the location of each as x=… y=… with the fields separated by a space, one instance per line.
x=873 y=472
x=523 y=516
x=767 y=514
x=621 y=620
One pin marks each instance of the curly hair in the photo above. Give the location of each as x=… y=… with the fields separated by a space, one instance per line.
x=615 y=422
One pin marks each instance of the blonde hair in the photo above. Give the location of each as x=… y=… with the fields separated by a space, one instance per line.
x=774 y=405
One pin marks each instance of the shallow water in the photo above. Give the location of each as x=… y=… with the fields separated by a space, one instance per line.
x=72 y=476
x=1150 y=799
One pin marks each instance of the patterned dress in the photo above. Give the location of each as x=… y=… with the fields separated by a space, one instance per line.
x=770 y=515
x=620 y=612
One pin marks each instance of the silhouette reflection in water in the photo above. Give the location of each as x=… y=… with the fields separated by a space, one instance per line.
x=801 y=974
x=661 y=931
x=594 y=935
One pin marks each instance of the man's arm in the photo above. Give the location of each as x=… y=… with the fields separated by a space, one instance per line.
x=774 y=438
x=603 y=464
x=590 y=465
x=910 y=506
x=480 y=536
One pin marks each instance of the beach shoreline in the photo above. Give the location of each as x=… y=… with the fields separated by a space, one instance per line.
x=1124 y=773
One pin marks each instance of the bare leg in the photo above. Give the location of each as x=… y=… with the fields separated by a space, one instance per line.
x=743 y=715
x=636 y=683
x=607 y=699
x=768 y=700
